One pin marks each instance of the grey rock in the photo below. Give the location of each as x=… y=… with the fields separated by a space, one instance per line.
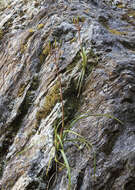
x=30 y=106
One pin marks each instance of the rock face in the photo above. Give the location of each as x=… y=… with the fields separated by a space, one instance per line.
x=30 y=103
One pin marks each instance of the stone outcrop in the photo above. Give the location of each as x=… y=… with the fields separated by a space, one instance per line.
x=30 y=102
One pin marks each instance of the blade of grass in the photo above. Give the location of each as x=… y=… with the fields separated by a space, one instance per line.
x=81 y=81
x=81 y=138
x=84 y=58
x=60 y=163
x=60 y=141
x=78 y=139
x=68 y=168
x=82 y=116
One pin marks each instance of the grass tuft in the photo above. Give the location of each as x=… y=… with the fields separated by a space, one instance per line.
x=83 y=70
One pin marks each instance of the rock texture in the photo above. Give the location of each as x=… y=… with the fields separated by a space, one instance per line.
x=30 y=100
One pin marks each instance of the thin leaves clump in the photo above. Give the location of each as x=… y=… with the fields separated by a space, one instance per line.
x=83 y=70
x=62 y=133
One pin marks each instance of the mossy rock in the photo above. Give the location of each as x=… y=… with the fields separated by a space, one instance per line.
x=21 y=90
x=23 y=48
x=51 y=99
x=31 y=30
x=47 y=50
x=1 y=34
x=40 y=26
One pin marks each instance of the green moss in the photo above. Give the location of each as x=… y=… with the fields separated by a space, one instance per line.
x=51 y=99
x=120 y=5
x=1 y=34
x=23 y=48
x=116 y=32
x=40 y=26
x=31 y=30
x=21 y=90
x=47 y=50
x=73 y=40
x=42 y=58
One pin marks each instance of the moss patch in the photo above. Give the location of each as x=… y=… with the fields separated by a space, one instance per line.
x=47 y=50
x=23 y=48
x=21 y=90
x=40 y=26
x=120 y=5
x=31 y=30
x=51 y=99
x=1 y=34
x=73 y=40
x=116 y=32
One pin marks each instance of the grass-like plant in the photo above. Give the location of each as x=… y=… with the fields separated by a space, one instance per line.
x=62 y=133
x=83 y=55
x=58 y=152
x=83 y=70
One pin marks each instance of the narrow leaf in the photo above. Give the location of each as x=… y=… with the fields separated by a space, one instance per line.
x=68 y=168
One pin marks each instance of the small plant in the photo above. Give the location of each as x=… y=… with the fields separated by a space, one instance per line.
x=83 y=70
x=83 y=55
x=60 y=132
x=58 y=152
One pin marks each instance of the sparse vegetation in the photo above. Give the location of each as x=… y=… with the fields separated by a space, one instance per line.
x=61 y=132
x=58 y=151
x=83 y=70
x=51 y=98
x=21 y=90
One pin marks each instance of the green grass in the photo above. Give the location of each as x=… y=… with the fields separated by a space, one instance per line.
x=62 y=133
x=83 y=70
x=58 y=153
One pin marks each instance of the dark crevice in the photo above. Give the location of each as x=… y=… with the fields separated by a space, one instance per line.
x=80 y=179
x=50 y=177
x=130 y=185
x=127 y=100
x=32 y=186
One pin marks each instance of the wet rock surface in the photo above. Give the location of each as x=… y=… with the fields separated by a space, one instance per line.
x=30 y=101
